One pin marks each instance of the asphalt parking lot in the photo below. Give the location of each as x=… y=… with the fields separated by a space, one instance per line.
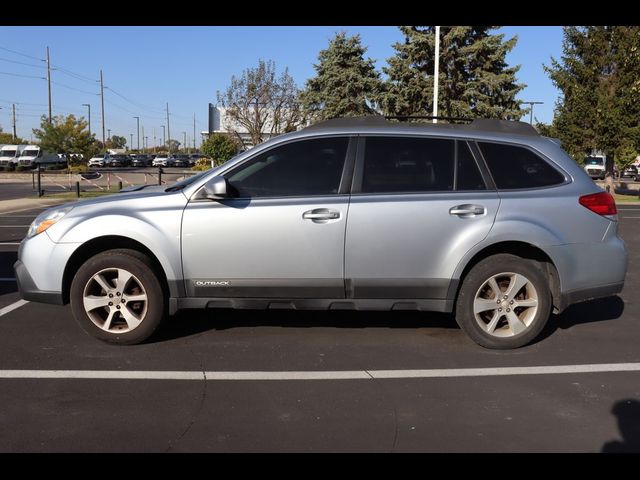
x=318 y=381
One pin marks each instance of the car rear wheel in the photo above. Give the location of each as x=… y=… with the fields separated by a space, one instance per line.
x=117 y=297
x=504 y=302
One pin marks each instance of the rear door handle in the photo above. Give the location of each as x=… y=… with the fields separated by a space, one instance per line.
x=467 y=210
x=321 y=214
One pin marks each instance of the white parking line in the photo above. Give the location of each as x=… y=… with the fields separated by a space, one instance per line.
x=319 y=375
x=12 y=307
x=9 y=243
x=14 y=226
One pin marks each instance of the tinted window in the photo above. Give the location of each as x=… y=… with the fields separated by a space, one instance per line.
x=468 y=174
x=308 y=167
x=403 y=164
x=518 y=167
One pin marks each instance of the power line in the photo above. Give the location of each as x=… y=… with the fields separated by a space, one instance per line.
x=23 y=54
x=73 y=74
x=73 y=88
x=20 y=75
x=156 y=110
x=22 y=63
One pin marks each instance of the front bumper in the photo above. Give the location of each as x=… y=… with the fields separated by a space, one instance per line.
x=28 y=289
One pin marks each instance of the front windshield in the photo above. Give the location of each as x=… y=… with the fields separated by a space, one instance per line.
x=29 y=153
x=8 y=153
x=594 y=161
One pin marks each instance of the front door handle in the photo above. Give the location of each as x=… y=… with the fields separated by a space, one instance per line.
x=467 y=210
x=321 y=215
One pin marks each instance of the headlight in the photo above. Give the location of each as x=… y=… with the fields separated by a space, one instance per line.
x=46 y=219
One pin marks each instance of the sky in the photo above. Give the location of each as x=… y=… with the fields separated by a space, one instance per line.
x=146 y=67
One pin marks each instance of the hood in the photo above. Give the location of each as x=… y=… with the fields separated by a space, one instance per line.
x=130 y=193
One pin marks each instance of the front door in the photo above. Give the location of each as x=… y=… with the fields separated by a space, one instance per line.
x=282 y=235
x=419 y=205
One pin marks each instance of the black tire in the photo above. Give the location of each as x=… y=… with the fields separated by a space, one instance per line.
x=142 y=269
x=478 y=277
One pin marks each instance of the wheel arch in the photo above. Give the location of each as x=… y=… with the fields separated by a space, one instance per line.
x=110 y=242
x=520 y=249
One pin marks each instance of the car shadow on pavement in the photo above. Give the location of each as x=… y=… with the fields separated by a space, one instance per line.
x=192 y=322
x=627 y=412
x=599 y=310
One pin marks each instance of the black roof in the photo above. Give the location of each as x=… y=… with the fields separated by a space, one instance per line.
x=479 y=124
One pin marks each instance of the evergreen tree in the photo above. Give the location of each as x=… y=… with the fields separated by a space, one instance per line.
x=474 y=78
x=345 y=84
x=599 y=107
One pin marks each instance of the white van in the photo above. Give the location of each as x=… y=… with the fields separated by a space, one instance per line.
x=9 y=154
x=33 y=155
x=594 y=165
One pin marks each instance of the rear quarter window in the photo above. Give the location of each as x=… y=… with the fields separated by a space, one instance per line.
x=514 y=167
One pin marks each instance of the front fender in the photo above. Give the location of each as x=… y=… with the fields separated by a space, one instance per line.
x=158 y=230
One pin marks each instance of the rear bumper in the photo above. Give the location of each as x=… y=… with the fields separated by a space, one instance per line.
x=577 y=296
x=28 y=289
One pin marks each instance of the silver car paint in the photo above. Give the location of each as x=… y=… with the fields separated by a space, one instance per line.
x=550 y=219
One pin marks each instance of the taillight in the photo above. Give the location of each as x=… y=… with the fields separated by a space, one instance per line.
x=601 y=203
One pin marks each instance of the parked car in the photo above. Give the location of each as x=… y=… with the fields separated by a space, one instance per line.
x=118 y=161
x=183 y=161
x=490 y=221
x=98 y=160
x=141 y=160
x=163 y=160
x=629 y=171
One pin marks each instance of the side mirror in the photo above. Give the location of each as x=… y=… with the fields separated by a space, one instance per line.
x=216 y=189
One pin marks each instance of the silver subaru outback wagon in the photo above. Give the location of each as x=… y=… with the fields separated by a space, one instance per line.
x=489 y=221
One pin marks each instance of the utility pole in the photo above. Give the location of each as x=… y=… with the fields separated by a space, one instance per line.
x=15 y=137
x=138 y=123
x=168 y=129
x=102 y=99
x=146 y=141
x=436 y=74
x=164 y=137
x=155 y=144
x=89 y=115
x=108 y=133
x=184 y=140
x=49 y=82
x=531 y=104
x=194 y=132
x=131 y=147
x=142 y=138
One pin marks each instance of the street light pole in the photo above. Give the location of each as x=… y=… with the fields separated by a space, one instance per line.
x=531 y=104
x=131 y=147
x=138 y=123
x=88 y=115
x=436 y=74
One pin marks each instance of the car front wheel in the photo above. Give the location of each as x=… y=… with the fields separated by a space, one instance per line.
x=504 y=302
x=117 y=297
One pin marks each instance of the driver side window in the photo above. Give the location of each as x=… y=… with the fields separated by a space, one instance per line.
x=302 y=168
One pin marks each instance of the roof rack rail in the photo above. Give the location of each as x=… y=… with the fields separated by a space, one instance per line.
x=503 y=126
x=374 y=120
x=428 y=117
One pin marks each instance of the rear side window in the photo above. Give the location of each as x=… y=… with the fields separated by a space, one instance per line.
x=404 y=164
x=517 y=167
x=468 y=174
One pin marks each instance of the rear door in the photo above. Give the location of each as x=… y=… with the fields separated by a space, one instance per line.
x=418 y=205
